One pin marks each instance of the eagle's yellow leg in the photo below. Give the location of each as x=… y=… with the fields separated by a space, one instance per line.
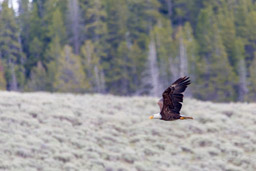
x=184 y=117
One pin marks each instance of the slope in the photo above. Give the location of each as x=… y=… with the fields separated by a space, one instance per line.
x=42 y=131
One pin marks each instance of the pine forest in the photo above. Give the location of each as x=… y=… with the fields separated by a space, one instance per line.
x=130 y=47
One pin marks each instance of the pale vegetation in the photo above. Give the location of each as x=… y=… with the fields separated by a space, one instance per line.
x=41 y=131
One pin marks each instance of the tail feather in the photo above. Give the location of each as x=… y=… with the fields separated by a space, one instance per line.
x=186 y=117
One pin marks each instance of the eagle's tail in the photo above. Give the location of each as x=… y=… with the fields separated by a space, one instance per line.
x=185 y=117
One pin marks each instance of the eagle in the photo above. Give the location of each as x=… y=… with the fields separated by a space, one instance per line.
x=170 y=104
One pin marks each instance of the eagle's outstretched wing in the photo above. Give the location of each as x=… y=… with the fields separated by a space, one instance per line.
x=172 y=98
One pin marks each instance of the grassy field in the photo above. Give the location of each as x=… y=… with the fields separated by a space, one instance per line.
x=49 y=132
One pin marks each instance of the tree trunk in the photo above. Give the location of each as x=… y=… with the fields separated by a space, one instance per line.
x=97 y=78
x=102 y=82
x=74 y=18
x=96 y=34
x=183 y=70
x=169 y=7
x=174 y=68
x=242 y=81
x=13 y=85
x=154 y=72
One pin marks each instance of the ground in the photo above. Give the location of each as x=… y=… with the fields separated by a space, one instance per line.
x=43 y=131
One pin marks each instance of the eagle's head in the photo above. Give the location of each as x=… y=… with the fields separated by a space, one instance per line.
x=155 y=116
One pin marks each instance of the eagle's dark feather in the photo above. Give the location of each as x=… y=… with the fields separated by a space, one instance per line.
x=172 y=98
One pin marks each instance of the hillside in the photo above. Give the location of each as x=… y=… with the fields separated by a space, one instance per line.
x=42 y=131
x=129 y=47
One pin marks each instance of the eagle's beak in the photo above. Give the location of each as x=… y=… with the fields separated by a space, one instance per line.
x=151 y=117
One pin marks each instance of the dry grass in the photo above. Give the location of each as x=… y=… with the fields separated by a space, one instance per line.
x=41 y=131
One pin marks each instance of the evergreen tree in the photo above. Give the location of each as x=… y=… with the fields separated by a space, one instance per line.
x=182 y=11
x=57 y=34
x=94 y=14
x=186 y=53
x=241 y=13
x=70 y=76
x=127 y=73
x=10 y=49
x=130 y=47
x=123 y=31
x=56 y=26
x=40 y=4
x=137 y=66
x=24 y=23
x=250 y=35
x=53 y=54
x=234 y=47
x=35 y=34
x=38 y=79
x=116 y=70
x=2 y=79
x=216 y=74
x=252 y=84
x=191 y=49
x=92 y=67
x=165 y=49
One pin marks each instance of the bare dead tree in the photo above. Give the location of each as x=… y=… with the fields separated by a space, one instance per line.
x=74 y=24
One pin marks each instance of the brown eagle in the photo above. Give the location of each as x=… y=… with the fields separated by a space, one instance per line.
x=170 y=104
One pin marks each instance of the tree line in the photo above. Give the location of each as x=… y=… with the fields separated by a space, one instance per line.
x=130 y=47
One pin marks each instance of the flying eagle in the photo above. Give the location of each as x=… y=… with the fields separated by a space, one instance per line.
x=170 y=104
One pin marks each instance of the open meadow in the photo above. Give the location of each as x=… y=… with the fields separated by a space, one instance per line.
x=49 y=132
